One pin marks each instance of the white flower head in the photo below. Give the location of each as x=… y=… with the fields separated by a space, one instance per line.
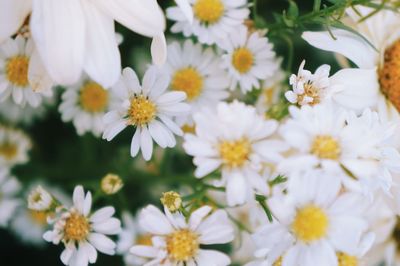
x=234 y=138
x=19 y=65
x=176 y=241
x=248 y=58
x=84 y=233
x=40 y=199
x=212 y=20
x=9 y=188
x=148 y=108
x=197 y=72
x=88 y=43
x=313 y=224
x=85 y=104
x=14 y=147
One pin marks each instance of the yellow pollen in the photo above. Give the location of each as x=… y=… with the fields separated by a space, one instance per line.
x=278 y=262
x=325 y=147
x=76 y=227
x=189 y=81
x=38 y=217
x=389 y=74
x=8 y=150
x=235 y=153
x=17 y=70
x=311 y=223
x=242 y=60
x=346 y=260
x=93 y=97
x=208 y=11
x=182 y=245
x=144 y=240
x=141 y=111
x=310 y=91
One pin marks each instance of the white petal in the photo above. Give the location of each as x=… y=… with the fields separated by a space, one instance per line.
x=102 y=243
x=146 y=144
x=159 y=49
x=12 y=15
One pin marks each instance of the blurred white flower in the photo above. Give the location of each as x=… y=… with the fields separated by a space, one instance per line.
x=248 y=58
x=212 y=20
x=14 y=147
x=40 y=199
x=176 y=240
x=83 y=233
x=9 y=188
x=148 y=108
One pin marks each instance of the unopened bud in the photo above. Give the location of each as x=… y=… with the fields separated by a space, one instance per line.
x=172 y=200
x=40 y=200
x=111 y=184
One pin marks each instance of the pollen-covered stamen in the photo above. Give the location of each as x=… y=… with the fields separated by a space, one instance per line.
x=17 y=70
x=38 y=217
x=189 y=81
x=325 y=147
x=389 y=74
x=310 y=91
x=93 y=97
x=76 y=227
x=8 y=150
x=235 y=153
x=310 y=223
x=346 y=260
x=182 y=245
x=141 y=111
x=208 y=11
x=242 y=60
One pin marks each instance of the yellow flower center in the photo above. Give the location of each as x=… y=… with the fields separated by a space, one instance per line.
x=310 y=223
x=208 y=11
x=38 y=217
x=76 y=227
x=188 y=129
x=8 y=150
x=242 y=60
x=93 y=97
x=389 y=74
x=325 y=147
x=346 y=260
x=278 y=262
x=172 y=200
x=189 y=81
x=182 y=245
x=235 y=153
x=310 y=91
x=144 y=240
x=141 y=111
x=17 y=70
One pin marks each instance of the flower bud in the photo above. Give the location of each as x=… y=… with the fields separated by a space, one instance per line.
x=111 y=184
x=40 y=200
x=172 y=200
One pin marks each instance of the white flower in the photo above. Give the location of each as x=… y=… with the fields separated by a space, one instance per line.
x=83 y=233
x=39 y=199
x=86 y=42
x=85 y=104
x=132 y=234
x=213 y=20
x=378 y=61
x=148 y=108
x=313 y=224
x=248 y=58
x=20 y=67
x=186 y=9
x=356 y=148
x=234 y=138
x=14 y=147
x=196 y=72
x=9 y=187
x=177 y=241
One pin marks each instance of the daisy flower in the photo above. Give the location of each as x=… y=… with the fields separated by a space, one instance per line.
x=179 y=242
x=148 y=108
x=85 y=104
x=14 y=147
x=212 y=21
x=9 y=188
x=311 y=89
x=18 y=70
x=132 y=234
x=87 y=43
x=83 y=233
x=235 y=139
x=378 y=61
x=196 y=72
x=310 y=227
x=248 y=58
x=356 y=148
